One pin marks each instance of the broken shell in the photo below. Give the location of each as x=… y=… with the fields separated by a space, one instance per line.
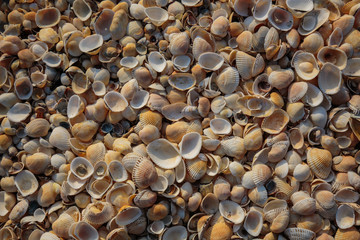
x=182 y=81
x=81 y=168
x=19 y=112
x=313 y=20
x=117 y=171
x=332 y=55
x=81 y=9
x=157 y=16
x=91 y=44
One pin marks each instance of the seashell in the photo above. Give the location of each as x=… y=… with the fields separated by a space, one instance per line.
x=82 y=10
x=305 y=65
x=102 y=23
x=228 y=80
x=81 y=168
x=345 y=217
x=301 y=172
x=47 y=193
x=258 y=195
x=313 y=96
x=157 y=16
x=260 y=174
x=144 y=173
x=157 y=61
x=149 y=133
x=299 y=233
x=209 y=203
x=158 y=211
x=179 y=231
x=37 y=162
x=83 y=230
x=281 y=78
x=182 y=81
x=115 y=101
x=244 y=41
x=195 y=168
x=329 y=79
x=313 y=20
x=299 y=10
x=303 y=204
x=26 y=183
x=319 y=161
x=47 y=17
x=118 y=25
x=91 y=44
x=347 y=233
x=190 y=145
x=139 y=99
x=117 y=171
x=98 y=213
x=261 y=10
x=220 y=230
x=19 y=112
x=164 y=154
x=220 y=126
x=312 y=43
x=51 y=59
x=255 y=106
x=276 y=122
x=220 y=27
x=231 y=211
x=19 y=210
x=23 y=88
x=7 y=202
x=221 y=189
x=75 y=106
x=253 y=223
x=84 y=131
x=332 y=55
x=280 y=19
x=210 y=61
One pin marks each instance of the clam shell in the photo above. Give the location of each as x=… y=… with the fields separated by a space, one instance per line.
x=332 y=55
x=91 y=43
x=196 y=168
x=182 y=81
x=81 y=168
x=313 y=96
x=164 y=154
x=47 y=17
x=305 y=65
x=190 y=145
x=23 y=88
x=280 y=19
x=75 y=106
x=26 y=183
x=157 y=61
x=80 y=83
x=144 y=173
x=220 y=126
x=38 y=127
x=103 y=22
x=118 y=24
x=261 y=10
x=281 y=78
x=115 y=101
x=179 y=231
x=345 y=217
x=351 y=69
x=297 y=91
x=81 y=9
x=299 y=233
x=209 y=203
x=210 y=61
x=117 y=171
x=253 y=223
x=258 y=195
x=83 y=230
x=276 y=122
x=139 y=99
x=98 y=213
x=232 y=211
x=313 y=20
x=260 y=174
x=157 y=16
x=256 y=106
x=19 y=112
x=19 y=210
x=228 y=80
x=320 y=162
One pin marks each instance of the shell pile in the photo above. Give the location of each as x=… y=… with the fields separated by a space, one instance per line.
x=176 y=120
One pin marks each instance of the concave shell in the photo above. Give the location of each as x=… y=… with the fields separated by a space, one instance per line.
x=82 y=9
x=210 y=204
x=157 y=15
x=320 y=161
x=103 y=22
x=297 y=91
x=303 y=204
x=83 y=230
x=313 y=20
x=281 y=78
x=253 y=222
x=332 y=55
x=261 y=9
x=190 y=145
x=305 y=65
x=91 y=44
x=19 y=112
x=23 y=88
x=144 y=173
x=81 y=168
x=256 y=106
x=347 y=195
x=220 y=126
x=260 y=173
x=139 y=99
x=115 y=101
x=157 y=61
x=98 y=213
x=75 y=106
x=345 y=217
x=80 y=83
x=182 y=81
x=276 y=122
x=117 y=171
x=26 y=183
x=280 y=19
x=258 y=195
x=47 y=17
x=313 y=96
x=228 y=80
x=330 y=79
x=231 y=211
x=351 y=68
x=210 y=61
x=7 y=202
x=299 y=9
x=19 y=210
x=299 y=233
x=175 y=233
x=164 y=154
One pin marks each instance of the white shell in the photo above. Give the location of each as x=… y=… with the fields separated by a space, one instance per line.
x=164 y=154
x=157 y=61
x=157 y=15
x=190 y=145
x=19 y=112
x=220 y=126
x=117 y=171
x=330 y=79
x=232 y=211
x=115 y=101
x=210 y=61
x=26 y=183
x=81 y=168
x=91 y=43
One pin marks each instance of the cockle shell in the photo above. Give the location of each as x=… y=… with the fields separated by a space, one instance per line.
x=231 y=211
x=276 y=122
x=220 y=126
x=127 y=215
x=319 y=161
x=256 y=106
x=144 y=173
x=228 y=80
x=158 y=16
x=81 y=9
x=98 y=213
x=210 y=61
x=280 y=19
x=190 y=145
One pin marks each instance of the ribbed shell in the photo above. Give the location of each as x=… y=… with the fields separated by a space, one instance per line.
x=195 y=168
x=144 y=173
x=319 y=161
x=98 y=213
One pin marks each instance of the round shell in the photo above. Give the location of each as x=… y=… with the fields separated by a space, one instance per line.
x=276 y=122
x=164 y=154
x=190 y=145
